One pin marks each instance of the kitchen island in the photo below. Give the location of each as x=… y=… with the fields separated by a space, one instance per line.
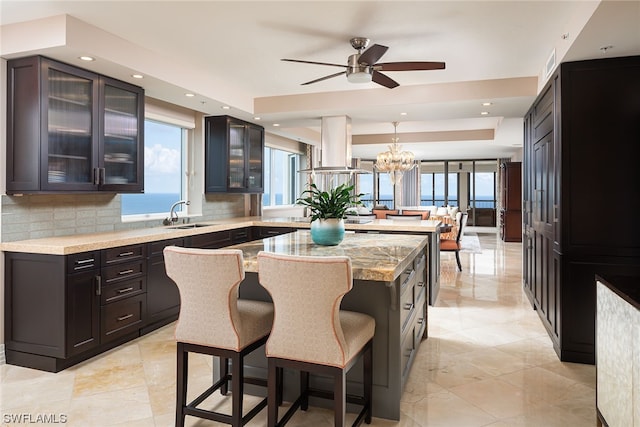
x=390 y=273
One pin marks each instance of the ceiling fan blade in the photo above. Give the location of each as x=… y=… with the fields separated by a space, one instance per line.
x=315 y=63
x=325 y=78
x=371 y=55
x=410 y=66
x=383 y=80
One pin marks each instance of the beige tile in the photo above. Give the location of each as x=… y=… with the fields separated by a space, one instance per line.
x=488 y=361
x=446 y=409
x=110 y=378
x=498 y=398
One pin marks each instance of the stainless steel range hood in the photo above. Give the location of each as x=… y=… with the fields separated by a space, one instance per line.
x=335 y=148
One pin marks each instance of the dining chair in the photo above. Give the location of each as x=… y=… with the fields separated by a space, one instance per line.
x=214 y=321
x=402 y=217
x=311 y=334
x=425 y=214
x=451 y=245
x=382 y=213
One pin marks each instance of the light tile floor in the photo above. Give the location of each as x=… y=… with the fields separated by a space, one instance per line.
x=487 y=362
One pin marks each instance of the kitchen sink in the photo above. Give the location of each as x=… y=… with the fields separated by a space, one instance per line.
x=194 y=225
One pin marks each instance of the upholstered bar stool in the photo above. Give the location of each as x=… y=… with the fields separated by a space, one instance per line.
x=311 y=334
x=214 y=321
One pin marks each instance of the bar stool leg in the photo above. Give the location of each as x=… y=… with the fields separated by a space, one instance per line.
x=279 y=385
x=181 y=383
x=368 y=380
x=237 y=385
x=339 y=399
x=224 y=372
x=273 y=388
x=304 y=390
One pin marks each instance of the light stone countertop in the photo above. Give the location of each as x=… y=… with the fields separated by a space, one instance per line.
x=65 y=245
x=378 y=257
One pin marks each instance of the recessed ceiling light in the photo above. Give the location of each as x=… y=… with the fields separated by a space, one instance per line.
x=87 y=58
x=257 y=118
x=276 y=124
x=137 y=76
x=486 y=104
x=403 y=114
x=484 y=113
x=225 y=107
x=190 y=95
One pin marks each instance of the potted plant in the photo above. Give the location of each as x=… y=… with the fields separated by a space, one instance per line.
x=327 y=210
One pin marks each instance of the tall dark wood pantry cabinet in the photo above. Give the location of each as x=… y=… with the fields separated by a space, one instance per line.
x=580 y=195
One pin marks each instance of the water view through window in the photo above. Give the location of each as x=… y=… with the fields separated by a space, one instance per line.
x=162 y=171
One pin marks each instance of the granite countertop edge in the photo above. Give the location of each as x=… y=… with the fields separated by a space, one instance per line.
x=71 y=244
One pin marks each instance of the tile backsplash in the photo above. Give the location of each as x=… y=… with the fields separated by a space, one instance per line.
x=39 y=215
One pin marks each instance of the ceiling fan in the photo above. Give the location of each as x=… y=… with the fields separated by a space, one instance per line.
x=363 y=67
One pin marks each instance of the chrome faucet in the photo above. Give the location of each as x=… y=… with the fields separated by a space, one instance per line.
x=173 y=215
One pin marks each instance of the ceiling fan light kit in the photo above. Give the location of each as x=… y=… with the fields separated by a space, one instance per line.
x=363 y=67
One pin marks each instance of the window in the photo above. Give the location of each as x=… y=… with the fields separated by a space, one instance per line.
x=282 y=182
x=164 y=154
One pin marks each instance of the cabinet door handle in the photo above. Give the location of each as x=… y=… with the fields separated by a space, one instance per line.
x=96 y=176
x=123 y=272
x=98 y=285
x=103 y=173
x=84 y=261
x=408 y=306
x=125 y=290
x=125 y=317
x=125 y=254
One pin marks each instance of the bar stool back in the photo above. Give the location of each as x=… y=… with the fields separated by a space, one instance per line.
x=311 y=334
x=214 y=321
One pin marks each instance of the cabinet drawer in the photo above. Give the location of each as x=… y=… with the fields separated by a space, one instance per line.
x=215 y=240
x=120 y=290
x=419 y=262
x=123 y=254
x=240 y=235
x=84 y=261
x=123 y=272
x=122 y=317
x=407 y=299
x=156 y=248
x=407 y=348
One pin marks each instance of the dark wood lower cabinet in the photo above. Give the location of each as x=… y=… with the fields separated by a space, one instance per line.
x=163 y=297
x=60 y=310
x=51 y=317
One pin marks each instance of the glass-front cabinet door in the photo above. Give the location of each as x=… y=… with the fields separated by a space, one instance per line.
x=256 y=154
x=237 y=171
x=71 y=121
x=121 y=154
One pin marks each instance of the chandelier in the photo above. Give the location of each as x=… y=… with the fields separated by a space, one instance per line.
x=395 y=162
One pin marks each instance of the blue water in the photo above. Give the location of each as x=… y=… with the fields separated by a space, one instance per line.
x=133 y=204
x=480 y=202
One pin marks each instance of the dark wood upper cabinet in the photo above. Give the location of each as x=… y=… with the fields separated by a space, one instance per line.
x=234 y=151
x=70 y=129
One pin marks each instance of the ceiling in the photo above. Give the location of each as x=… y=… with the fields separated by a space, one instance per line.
x=228 y=54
